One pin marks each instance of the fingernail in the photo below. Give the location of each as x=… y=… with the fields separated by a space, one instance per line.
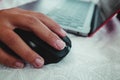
x=38 y=63
x=63 y=32
x=19 y=65
x=60 y=44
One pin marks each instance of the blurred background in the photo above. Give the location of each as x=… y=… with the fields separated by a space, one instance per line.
x=108 y=7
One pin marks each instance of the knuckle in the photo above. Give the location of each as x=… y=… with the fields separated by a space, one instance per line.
x=11 y=39
x=8 y=37
x=57 y=28
x=41 y=15
x=51 y=37
x=31 y=20
x=54 y=25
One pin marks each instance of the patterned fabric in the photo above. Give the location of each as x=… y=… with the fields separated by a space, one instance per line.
x=4 y=4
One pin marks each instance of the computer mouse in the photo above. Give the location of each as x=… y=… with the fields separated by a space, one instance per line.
x=50 y=54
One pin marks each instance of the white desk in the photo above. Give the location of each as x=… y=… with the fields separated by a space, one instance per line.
x=95 y=58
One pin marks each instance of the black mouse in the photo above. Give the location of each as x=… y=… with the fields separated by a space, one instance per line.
x=50 y=54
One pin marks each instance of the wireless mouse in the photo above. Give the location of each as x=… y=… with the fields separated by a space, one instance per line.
x=50 y=54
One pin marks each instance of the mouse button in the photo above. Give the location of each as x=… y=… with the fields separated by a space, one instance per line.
x=48 y=50
x=37 y=43
x=23 y=34
x=63 y=52
x=43 y=45
x=48 y=57
x=20 y=32
x=67 y=41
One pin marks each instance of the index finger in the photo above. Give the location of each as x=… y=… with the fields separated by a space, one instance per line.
x=51 y=24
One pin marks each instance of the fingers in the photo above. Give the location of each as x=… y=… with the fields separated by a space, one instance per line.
x=13 y=41
x=51 y=24
x=33 y=23
x=9 y=60
x=41 y=30
x=44 y=27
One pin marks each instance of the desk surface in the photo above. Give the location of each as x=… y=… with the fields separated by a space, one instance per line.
x=95 y=58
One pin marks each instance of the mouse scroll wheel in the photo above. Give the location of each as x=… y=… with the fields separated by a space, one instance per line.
x=33 y=45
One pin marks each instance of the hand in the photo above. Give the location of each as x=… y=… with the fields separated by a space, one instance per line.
x=44 y=27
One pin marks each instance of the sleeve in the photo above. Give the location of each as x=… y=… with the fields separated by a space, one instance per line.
x=6 y=4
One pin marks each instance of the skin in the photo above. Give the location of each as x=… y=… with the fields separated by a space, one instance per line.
x=38 y=23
